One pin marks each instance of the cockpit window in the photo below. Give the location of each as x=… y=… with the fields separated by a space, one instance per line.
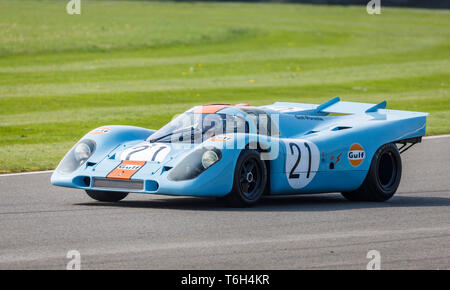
x=263 y=122
x=198 y=127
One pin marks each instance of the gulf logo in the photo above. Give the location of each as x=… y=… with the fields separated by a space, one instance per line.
x=126 y=169
x=356 y=155
x=101 y=130
x=129 y=167
x=221 y=138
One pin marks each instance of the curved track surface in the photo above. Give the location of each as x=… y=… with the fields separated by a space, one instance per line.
x=40 y=223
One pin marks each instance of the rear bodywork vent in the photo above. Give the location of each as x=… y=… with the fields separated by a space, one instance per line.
x=338 y=128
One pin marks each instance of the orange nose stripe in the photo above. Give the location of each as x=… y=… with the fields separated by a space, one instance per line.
x=210 y=109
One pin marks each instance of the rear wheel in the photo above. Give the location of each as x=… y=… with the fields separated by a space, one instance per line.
x=250 y=179
x=108 y=196
x=383 y=177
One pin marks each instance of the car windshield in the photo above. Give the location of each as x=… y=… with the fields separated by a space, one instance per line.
x=198 y=127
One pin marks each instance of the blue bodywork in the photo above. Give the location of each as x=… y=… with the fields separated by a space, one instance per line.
x=321 y=148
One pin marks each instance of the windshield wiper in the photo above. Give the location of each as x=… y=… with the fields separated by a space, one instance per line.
x=172 y=133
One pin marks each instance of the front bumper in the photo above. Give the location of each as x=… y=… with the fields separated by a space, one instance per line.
x=150 y=179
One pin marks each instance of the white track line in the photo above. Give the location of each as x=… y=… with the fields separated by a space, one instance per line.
x=50 y=171
x=26 y=173
x=437 y=137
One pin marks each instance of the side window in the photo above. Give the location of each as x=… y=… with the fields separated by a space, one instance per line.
x=264 y=127
x=264 y=123
x=254 y=117
x=212 y=125
x=235 y=124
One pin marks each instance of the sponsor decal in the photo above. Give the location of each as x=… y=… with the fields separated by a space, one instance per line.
x=336 y=159
x=285 y=109
x=221 y=138
x=308 y=118
x=356 y=155
x=101 y=130
x=126 y=169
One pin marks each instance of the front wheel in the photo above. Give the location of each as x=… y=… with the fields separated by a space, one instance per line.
x=383 y=177
x=107 y=196
x=250 y=179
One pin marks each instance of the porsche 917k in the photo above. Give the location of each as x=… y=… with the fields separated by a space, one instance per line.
x=241 y=153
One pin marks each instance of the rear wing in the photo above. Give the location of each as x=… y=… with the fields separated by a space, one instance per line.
x=336 y=106
x=404 y=127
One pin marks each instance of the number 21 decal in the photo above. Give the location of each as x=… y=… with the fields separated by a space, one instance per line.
x=302 y=162
x=146 y=152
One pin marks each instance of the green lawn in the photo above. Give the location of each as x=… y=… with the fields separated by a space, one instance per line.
x=139 y=63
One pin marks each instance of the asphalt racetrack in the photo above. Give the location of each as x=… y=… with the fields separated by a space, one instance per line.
x=40 y=223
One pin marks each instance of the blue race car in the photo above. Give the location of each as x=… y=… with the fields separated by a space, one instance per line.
x=241 y=153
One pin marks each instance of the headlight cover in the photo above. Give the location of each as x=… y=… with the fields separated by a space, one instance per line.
x=77 y=156
x=209 y=158
x=195 y=163
x=82 y=152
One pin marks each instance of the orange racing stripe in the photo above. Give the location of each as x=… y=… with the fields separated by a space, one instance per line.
x=210 y=109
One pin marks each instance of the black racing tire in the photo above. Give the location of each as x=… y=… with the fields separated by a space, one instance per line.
x=106 y=196
x=383 y=177
x=250 y=180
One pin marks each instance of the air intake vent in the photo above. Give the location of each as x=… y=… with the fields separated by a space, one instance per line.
x=311 y=132
x=118 y=183
x=340 y=128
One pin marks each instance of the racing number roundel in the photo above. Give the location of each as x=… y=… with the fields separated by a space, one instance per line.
x=302 y=162
x=146 y=152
